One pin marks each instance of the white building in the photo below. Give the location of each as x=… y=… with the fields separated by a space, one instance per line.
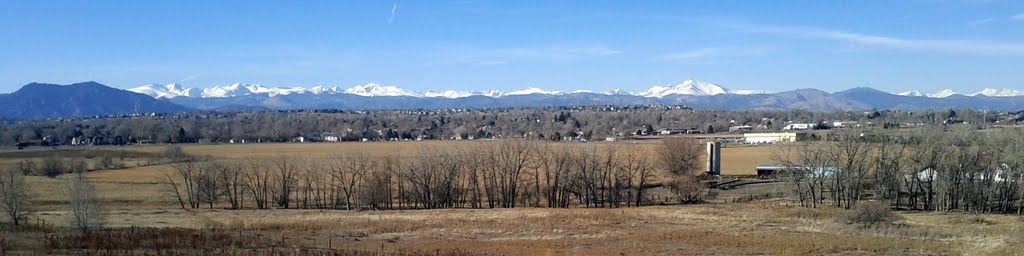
x=330 y=137
x=789 y=127
x=771 y=138
x=841 y=124
x=741 y=128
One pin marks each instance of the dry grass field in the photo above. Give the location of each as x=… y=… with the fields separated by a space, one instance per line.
x=136 y=197
x=735 y=160
x=713 y=229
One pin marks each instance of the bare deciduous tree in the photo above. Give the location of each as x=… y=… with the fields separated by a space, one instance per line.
x=349 y=172
x=234 y=184
x=511 y=157
x=209 y=183
x=15 y=196
x=257 y=179
x=638 y=167
x=188 y=172
x=681 y=157
x=86 y=211
x=285 y=177
x=807 y=165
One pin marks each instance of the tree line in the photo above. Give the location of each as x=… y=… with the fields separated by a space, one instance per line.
x=939 y=169
x=550 y=123
x=496 y=174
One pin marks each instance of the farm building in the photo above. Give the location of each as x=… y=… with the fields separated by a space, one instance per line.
x=665 y=131
x=771 y=138
x=719 y=137
x=798 y=127
x=842 y=124
x=769 y=170
x=741 y=128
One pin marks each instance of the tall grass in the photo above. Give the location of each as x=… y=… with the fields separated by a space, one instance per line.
x=181 y=241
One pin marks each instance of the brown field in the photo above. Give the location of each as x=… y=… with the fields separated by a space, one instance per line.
x=147 y=192
x=739 y=160
x=135 y=197
x=713 y=229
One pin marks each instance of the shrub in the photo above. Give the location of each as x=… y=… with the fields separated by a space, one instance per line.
x=870 y=213
x=5 y=245
x=51 y=167
x=976 y=220
x=823 y=213
x=107 y=162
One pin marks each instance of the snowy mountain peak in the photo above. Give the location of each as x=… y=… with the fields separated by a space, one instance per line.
x=688 y=87
x=373 y=89
x=165 y=91
x=618 y=92
x=323 y=90
x=490 y=93
x=239 y=89
x=1004 y=92
x=233 y=90
x=748 y=92
x=989 y=92
x=943 y=93
x=532 y=90
x=451 y=94
x=913 y=93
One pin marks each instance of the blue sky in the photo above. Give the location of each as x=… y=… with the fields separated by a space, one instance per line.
x=895 y=46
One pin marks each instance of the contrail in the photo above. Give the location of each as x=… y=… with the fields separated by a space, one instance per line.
x=393 y=9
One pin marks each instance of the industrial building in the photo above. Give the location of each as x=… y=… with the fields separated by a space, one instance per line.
x=790 y=127
x=772 y=138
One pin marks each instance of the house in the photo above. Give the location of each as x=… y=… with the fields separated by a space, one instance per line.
x=299 y=139
x=741 y=129
x=772 y=138
x=330 y=137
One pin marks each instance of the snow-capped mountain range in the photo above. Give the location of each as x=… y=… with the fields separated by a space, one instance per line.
x=166 y=91
x=989 y=92
x=692 y=87
x=36 y=100
x=688 y=87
